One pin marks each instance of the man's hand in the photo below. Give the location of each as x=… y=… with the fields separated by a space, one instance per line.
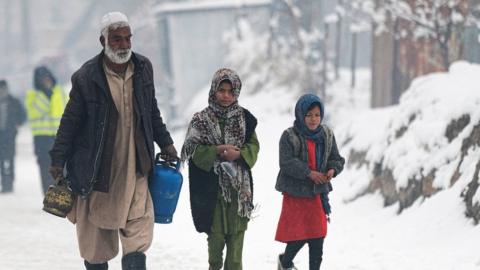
x=169 y=153
x=57 y=173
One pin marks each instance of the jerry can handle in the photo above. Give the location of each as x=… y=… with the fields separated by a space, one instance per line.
x=173 y=164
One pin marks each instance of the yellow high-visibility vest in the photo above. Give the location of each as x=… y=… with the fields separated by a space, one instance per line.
x=44 y=114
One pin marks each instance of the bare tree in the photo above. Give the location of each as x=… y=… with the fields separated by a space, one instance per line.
x=440 y=21
x=353 y=15
x=340 y=12
x=294 y=35
x=422 y=36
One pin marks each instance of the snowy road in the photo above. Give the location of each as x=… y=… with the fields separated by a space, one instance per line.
x=362 y=235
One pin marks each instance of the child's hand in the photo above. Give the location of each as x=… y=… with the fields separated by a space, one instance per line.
x=318 y=177
x=221 y=148
x=330 y=174
x=230 y=152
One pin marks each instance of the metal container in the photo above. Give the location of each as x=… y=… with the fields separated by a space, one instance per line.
x=165 y=189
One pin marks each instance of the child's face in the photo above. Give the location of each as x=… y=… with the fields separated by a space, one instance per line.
x=224 y=94
x=313 y=118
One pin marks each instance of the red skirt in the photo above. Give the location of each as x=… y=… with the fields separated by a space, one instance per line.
x=301 y=218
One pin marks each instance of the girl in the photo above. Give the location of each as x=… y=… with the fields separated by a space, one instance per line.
x=221 y=148
x=309 y=159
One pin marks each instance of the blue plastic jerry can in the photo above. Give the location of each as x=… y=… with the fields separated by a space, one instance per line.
x=165 y=189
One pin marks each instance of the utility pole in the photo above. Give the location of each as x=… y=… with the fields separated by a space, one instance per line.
x=338 y=38
x=353 y=60
x=326 y=38
x=7 y=34
x=26 y=31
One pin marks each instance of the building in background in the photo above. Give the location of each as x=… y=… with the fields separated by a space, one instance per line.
x=59 y=34
x=191 y=42
x=424 y=41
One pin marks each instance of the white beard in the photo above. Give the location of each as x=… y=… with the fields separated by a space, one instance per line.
x=119 y=56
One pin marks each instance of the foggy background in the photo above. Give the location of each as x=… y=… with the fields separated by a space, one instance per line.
x=184 y=39
x=400 y=80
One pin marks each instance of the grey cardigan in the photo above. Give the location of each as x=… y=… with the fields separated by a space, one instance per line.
x=293 y=176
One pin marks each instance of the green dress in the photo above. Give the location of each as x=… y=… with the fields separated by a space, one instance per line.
x=225 y=217
x=227 y=226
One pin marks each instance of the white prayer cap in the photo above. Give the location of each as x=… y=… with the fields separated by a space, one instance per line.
x=112 y=18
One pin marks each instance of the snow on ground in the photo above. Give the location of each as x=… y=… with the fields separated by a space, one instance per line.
x=432 y=234
x=410 y=139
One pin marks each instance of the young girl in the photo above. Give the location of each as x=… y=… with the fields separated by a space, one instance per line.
x=221 y=148
x=309 y=159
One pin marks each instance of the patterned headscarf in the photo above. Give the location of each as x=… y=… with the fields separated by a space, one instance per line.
x=204 y=129
x=224 y=74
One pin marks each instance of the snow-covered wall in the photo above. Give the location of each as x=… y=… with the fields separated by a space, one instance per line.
x=428 y=143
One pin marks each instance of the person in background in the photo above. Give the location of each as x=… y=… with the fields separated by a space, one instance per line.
x=106 y=141
x=309 y=159
x=45 y=104
x=12 y=115
x=221 y=147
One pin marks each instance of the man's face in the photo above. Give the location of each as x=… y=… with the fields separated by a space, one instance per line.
x=47 y=82
x=118 y=45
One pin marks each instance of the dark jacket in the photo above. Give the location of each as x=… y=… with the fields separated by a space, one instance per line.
x=39 y=75
x=15 y=114
x=87 y=130
x=294 y=169
x=15 y=117
x=204 y=185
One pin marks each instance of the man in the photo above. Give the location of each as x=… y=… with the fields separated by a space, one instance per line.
x=106 y=141
x=12 y=115
x=45 y=104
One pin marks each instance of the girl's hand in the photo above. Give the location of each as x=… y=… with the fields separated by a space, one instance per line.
x=221 y=148
x=230 y=153
x=330 y=174
x=318 y=177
